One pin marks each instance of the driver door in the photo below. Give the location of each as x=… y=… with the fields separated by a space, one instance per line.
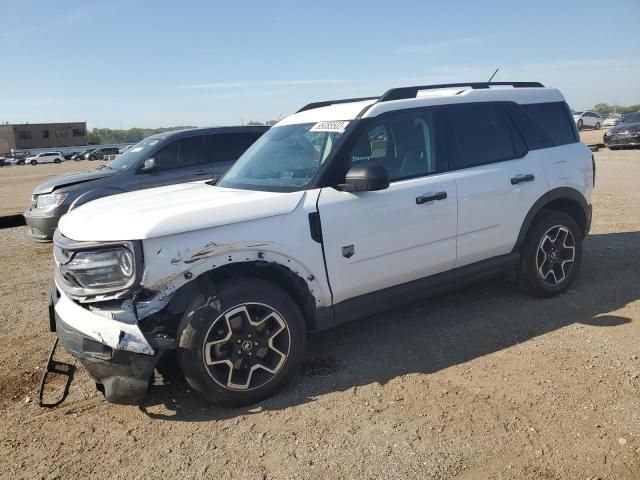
x=374 y=240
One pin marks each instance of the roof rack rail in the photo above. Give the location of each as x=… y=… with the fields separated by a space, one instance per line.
x=411 y=92
x=326 y=103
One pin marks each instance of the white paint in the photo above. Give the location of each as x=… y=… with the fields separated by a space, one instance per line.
x=174 y=209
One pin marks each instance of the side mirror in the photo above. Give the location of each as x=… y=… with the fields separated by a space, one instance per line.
x=149 y=164
x=365 y=179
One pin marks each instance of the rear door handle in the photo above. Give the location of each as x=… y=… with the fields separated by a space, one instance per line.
x=430 y=197
x=529 y=177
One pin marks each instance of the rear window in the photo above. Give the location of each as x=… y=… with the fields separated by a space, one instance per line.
x=481 y=134
x=544 y=125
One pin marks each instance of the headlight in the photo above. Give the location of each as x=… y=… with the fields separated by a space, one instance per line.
x=111 y=268
x=50 y=199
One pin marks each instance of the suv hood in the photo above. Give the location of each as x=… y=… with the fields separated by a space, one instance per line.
x=72 y=179
x=156 y=212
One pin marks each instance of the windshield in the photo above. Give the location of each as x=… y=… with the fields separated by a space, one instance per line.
x=286 y=158
x=633 y=118
x=134 y=154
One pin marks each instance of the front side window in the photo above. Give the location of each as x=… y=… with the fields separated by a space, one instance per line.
x=405 y=145
x=480 y=134
x=286 y=158
x=633 y=118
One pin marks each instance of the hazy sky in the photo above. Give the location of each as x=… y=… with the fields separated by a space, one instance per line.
x=160 y=63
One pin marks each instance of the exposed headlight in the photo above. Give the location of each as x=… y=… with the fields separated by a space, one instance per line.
x=49 y=199
x=102 y=268
x=110 y=268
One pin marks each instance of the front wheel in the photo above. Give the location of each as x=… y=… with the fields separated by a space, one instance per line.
x=240 y=342
x=57 y=161
x=598 y=126
x=33 y=162
x=551 y=254
x=580 y=124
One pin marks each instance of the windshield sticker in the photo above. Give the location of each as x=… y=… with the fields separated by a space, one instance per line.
x=338 y=127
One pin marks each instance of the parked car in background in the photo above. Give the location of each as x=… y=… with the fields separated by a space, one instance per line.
x=587 y=119
x=3 y=161
x=163 y=159
x=611 y=121
x=14 y=161
x=625 y=134
x=68 y=155
x=80 y=156
x=100 y=153
x=45 y=157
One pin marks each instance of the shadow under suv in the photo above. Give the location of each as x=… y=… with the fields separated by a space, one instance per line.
x=163 y=159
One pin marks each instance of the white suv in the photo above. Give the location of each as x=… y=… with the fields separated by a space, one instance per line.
x=45 y=157
x=342 y=210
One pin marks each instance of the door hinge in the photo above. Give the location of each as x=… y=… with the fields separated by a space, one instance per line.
x=315 y=227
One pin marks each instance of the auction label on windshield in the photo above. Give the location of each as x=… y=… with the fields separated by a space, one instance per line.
x=336 y=126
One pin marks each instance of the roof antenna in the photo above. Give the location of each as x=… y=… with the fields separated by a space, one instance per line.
x=494 y=74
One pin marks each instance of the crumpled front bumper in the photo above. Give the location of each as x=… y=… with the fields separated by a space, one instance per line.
x=116 y=354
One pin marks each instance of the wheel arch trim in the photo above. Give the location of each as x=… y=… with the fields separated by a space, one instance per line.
x=566 y=194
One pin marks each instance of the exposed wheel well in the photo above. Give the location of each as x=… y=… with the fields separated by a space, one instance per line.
x=277 y=274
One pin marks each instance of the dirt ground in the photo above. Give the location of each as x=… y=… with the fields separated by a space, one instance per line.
x=18 y=181
x=482 y=383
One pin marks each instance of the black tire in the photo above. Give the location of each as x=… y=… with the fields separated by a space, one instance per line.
x=33 y=162
x=530 y=278
x=57 y=161
x=580 y=123
x=598 y=126
x=211 y=307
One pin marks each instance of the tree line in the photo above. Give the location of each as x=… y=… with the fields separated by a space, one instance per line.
x=105 y=136
x=606 y=108
x=102 y=136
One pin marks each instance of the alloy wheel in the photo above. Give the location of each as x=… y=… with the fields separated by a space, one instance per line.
x=246 y=346
x=556 y=255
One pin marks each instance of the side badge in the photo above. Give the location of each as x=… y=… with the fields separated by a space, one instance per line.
x=348 y=251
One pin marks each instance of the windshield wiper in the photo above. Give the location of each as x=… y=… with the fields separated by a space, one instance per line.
x=213 y=181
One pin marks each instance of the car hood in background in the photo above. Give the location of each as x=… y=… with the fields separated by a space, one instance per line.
x=72 y=179
x=156 y=212
x=625 y=127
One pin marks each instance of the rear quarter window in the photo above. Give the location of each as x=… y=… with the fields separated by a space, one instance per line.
x=544 y=125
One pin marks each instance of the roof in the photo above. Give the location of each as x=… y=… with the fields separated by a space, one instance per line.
x=397 y=99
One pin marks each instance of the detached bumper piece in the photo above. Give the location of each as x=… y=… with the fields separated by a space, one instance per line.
x=121 y=375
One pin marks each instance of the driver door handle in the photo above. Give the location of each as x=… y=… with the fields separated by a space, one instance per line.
x=430 y=197
x=522 y=179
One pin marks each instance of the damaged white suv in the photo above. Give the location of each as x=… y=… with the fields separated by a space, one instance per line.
x=341 y=210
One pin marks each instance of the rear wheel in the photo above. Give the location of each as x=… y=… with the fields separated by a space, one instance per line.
x=580 y=123
x=33 y=162
x=241 y=342
x=598 y=126
x=551 y=254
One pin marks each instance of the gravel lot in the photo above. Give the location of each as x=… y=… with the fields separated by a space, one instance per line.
x=18 y=181
x=481 y=383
